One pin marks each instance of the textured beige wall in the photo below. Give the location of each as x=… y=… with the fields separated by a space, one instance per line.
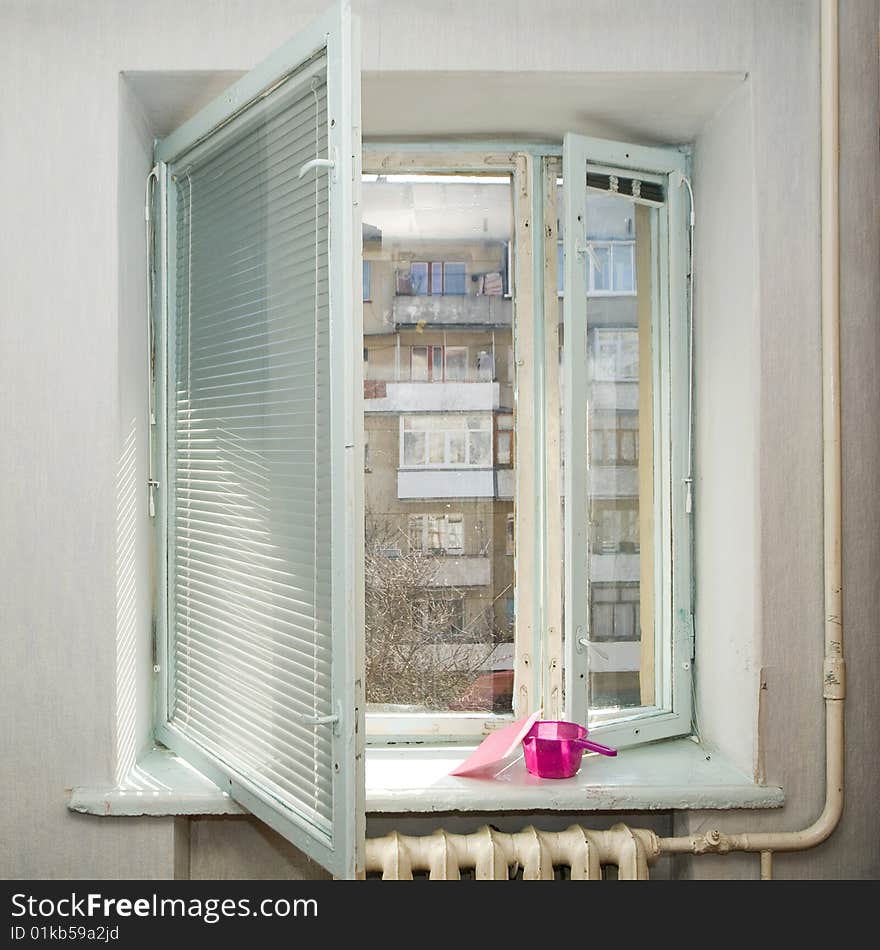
x=67 y=352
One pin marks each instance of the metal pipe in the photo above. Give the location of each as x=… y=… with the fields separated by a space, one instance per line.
x=834 y=680
x=766 y=865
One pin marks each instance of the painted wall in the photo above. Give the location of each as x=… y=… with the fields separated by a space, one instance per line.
x=70 y=359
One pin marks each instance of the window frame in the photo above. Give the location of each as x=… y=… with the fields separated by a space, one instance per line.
x=466 y=430
x=671 y=712
x=520 y=162
x=538 y=597
x=337 y=34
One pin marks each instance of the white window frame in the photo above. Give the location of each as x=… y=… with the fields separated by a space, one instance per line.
x=671 y=712
x=449 y=432
x=614 y=247
x=468 y=727
x=442 y=522
x=538 y=597
x=337 y=33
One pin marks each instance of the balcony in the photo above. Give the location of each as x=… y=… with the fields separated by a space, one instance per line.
x=431 y=397
x=614 y=568
x=453 y=311
x=460 y=571
x=614 y=481
x=445 y=483
x=504 y=484
x=623 y=656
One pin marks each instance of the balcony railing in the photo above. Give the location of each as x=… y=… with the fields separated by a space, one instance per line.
x=382 y=396
x=465 y=311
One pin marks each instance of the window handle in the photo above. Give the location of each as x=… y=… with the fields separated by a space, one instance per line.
x=584 y=642
x=317 y=163
x=334 y=719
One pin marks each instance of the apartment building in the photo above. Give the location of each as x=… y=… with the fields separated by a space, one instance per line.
x=439 y=426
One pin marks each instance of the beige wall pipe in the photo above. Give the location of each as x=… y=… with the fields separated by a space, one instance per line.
x=834 y=686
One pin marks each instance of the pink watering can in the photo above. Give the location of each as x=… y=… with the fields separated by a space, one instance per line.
x=553 y=749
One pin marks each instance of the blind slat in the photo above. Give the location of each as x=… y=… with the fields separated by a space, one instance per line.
x=249 y=523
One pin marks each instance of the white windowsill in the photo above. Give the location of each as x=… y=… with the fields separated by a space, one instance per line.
x=676 y=774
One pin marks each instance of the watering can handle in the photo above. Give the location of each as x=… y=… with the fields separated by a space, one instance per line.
x=588 y=744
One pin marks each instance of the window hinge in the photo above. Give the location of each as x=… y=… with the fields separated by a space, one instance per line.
x=689 y=628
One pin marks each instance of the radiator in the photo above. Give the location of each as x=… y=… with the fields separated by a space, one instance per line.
x=532 y=855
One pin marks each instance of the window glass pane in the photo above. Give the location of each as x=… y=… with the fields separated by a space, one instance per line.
x=619 y=416
x=418 y=277
x=481 y=448
x=438 y=634
x=600 y=267
x=624 y=269
x=453 y=542
x=504 y=455
x=436 y=448
x=366 y=280
x=413 y=448
x=485 y=366
x=456 y=363
x=454 y=279
x=455 y=442
x=436 y=278
x=416 y=527
x=419 y=364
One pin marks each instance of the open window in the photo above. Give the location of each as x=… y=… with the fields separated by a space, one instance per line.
x=259 y=454
x=280 y=569
x=628 y=604
x=597 y=353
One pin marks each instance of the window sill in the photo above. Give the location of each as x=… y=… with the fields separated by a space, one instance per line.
x=675 y=774
x=161 y=783
x=672 y=775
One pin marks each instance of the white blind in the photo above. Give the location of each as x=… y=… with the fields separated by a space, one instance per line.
x=249 y=466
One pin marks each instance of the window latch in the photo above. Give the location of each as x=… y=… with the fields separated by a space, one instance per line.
x=318 y=163
x=332 y=720
x=586 y=250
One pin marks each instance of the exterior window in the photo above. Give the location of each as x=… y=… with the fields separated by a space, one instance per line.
x=615 y=355
x=615 y=612
x=438 y=363
x=610 y=268
x=439 y=643
x=624 y=399
x=446 y=441
x=504 y=439
x=454 y=275
x=614 y=438
x=456 y=363
x=606 y=401
x=436 y=534
x=432 y=279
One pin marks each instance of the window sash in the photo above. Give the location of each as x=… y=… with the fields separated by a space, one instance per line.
x=462 y=442
x=670 y=714
x=536 y=171
x=339 y=847
x=456 y=727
